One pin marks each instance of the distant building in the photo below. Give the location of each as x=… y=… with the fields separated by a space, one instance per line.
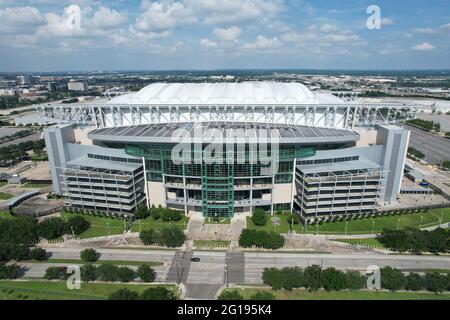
x=16 y=179
x=8 y=92
x=51 y=86
x=23 y=80
x=7 y=84
x=77 y=85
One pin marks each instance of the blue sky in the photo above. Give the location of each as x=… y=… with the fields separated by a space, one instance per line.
x=59 y=35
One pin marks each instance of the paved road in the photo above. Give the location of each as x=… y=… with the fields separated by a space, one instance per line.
x=435 y=148
x=203 y=279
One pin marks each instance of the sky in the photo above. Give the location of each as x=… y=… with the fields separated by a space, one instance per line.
x=89 y=35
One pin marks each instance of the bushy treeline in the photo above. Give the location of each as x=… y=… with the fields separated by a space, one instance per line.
x=105 y=272
x=157 y=213
x=156 y=293
x=18 y=235
x=314 y=278
x=260 y=239
x=170 y=237
x=425 y=124
x=10 y=271
x=415 y=240
x=15 y=152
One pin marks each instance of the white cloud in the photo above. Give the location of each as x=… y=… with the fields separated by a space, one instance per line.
x=446 y=26
x=425 y=46
x=425 y=30
x=20 y=20
x=387 y=21
x=263 y=43
x=231 y=34
x=206 y=43
x=106 y=18
x=164 y=16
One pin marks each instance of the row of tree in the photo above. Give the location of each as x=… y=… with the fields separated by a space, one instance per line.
x=314 y=278
x=156 y=293
x=105 y=272
x=142 y=212
x=15 y=152
x=12 y=271
x=170 y=237
x=415 y=240
x=53 y=228
x=260 y=239
x=425 y=124
x=235 y=295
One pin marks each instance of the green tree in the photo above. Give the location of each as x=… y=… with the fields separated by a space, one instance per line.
x=38 y=254
x=146 y=273
x=77 y=224
x=171 y=215
x=88 y=273
x=312 y=276
x=392 y=279
x=141 y=211
x=158 y=293
x=172 y=237
x=355 y=281
x=51 y=228
x=435 y=282
x=56 y=273
x=259 y=217
x=414 y=282
x=89 y=255
x=108 y=272
x=230 y=295
x=262 y=295
x=148 y=237
x=123 y=294
x=125 y=274
x=333 y=280
x=13 y=271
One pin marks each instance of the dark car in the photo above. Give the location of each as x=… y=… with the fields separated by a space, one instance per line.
x=195 y=259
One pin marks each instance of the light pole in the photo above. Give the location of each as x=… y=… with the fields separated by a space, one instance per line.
x=398 y=223
x=226 y=275
x=109 y=230
x=140 y=228
x=373 y=225
x=442 y=217
x=421 y=219
x=346 y=226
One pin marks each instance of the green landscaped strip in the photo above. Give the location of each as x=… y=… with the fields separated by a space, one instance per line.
x=371 y=242
x=298 y=294
x=100 y=226
x=283 y=227
x=211 y=243
x=6 y=215
x=364 y=226
x=115 y=262
x=37 y=185
x=5 y=196
x=57 y=290
x=150 y=223
x=3 y=183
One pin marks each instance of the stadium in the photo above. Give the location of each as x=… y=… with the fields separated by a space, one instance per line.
x=224 y=149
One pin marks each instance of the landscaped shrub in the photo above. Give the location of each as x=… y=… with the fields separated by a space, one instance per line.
x=56 y=273
x=170 y=237
x=414 y=282
x=51 y=228
x=435 y=282
x=392 y=279
x=125 y=274
x=89 y=255
x=171 y=215
x=13 y=271
x=123 y=294
x=141 y=212
x=333 y=280
x=262 y=295
x=414 y=240
x=259 y=217
x=158 y=293
x=230 y=295
x=88 y=273
x=77 y=224
x=38 y=254
x=146 y=273
x=261 y=239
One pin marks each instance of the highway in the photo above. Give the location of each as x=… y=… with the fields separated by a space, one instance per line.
x=435 y=148
x=215 y=269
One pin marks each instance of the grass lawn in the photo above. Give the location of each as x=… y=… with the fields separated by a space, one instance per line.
x=3 y=183
x=115 y=262
x=364 y=226
x=5 y=196
x=39 y=157
x=372 y=242
x=283 y=227
x=57 y=290
x=6 y=215
x=211 y=243
x=150 y=223
x=37 y=185
x=298 y=294
x=99 y=225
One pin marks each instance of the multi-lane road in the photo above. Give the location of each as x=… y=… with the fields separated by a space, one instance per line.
x=435 y=148
x=215 y=269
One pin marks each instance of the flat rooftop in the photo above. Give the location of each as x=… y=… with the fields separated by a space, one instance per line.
x=361 y=164
x=87 y=162
x=204 y=131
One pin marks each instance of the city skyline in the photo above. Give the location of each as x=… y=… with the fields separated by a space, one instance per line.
x=214 y=35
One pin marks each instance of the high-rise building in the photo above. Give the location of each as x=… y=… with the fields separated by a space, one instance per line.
x=77 y=85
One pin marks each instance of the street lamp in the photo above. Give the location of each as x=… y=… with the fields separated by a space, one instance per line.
x=373 y=225
x=346 y=226
x=421 y=219
x=226 y=275
x=109 y=230
x=398 y=223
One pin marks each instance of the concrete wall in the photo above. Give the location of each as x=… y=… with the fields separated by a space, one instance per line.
x=157 y=193
x=282 y=193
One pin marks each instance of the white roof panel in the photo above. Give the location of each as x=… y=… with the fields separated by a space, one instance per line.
x=251 y=93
